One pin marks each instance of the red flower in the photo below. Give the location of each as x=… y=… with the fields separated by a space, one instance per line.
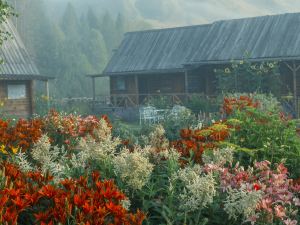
x=48 y=191
x=256 y=187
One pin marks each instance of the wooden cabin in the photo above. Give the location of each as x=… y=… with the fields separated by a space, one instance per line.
x=17 y=75
x=181 y=61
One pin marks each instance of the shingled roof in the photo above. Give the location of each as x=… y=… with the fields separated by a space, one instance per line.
x=17 y=64
x=264 y=38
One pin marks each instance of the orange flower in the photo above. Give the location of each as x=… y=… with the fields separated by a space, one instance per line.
x=48 y=191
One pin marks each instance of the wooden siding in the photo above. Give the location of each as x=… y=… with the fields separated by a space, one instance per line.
x=17 y=107
x=154 y=84
x=130 y=87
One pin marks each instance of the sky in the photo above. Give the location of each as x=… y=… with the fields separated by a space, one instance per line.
x=168 y=13
x=187 y=12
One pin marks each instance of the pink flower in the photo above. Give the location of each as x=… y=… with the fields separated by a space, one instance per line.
x=264 y=165
x=290 y=222
x=280 y=211
x=282 y=169
x=252 y=219
x=266 y=204
x=296 y=201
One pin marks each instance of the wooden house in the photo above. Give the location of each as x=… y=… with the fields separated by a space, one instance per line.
x=181 y=61
x=17 y=74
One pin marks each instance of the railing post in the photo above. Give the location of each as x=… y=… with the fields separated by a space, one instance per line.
x=94 y=94
x=47 y=94
x=294 y=68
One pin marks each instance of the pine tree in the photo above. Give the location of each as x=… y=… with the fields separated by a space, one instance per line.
x=95 y=50
x=92 y=19
x=109 y=32
x=69 y=23
x=120 y=27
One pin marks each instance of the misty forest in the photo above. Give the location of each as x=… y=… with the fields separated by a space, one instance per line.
x=149 y=112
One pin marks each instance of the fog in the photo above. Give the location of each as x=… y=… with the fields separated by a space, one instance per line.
x=163 y=13
x=71 y=38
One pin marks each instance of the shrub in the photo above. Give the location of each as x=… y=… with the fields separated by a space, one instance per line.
x=30 y=198
x=263 y=135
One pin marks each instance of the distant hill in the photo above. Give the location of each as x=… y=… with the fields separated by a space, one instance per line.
x=164 y=13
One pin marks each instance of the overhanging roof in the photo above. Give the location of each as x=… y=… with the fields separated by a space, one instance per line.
x=25 y=77
x=264 y=38
x=17 y=65
x=156 y=50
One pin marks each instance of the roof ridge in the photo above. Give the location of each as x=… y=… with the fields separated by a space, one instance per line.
x=209 y=24
x=169 y=28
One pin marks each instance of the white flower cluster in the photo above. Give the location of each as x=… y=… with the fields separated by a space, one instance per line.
x=50 y=159
x=242 y=202
x=133 y=168
x=158 y=146
x=219 y=156
x=101 y=146
x=99 y=150
x=22 y=161
x=199 y=189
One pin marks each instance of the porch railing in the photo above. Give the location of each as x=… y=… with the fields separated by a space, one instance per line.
x=135 y=100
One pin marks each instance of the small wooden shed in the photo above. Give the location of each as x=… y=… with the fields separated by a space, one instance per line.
x=17 y=75
x=181 y=61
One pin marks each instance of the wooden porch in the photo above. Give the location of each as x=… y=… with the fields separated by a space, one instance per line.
x=137 y=100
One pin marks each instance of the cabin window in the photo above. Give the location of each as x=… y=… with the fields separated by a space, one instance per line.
x=16 y=91
x=120 y=84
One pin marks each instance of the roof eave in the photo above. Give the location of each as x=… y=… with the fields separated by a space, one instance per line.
x=209 y=62
x=25 y=77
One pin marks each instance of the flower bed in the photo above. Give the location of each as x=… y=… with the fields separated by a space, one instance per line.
x=234 y=171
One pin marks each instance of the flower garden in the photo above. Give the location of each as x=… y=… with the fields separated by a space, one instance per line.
x=68 y=169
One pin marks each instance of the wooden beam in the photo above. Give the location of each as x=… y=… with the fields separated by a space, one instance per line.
x=136 y=81
x=295 y=88
x=186 y=82
x=94 y=93
x=47 y=93
x=31 y=96
x=294 y=68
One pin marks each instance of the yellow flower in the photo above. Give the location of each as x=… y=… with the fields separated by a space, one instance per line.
x=241 y=62
x=219 y=127
x=15 y=150
x=45 y=98
x=227 y=70
x=3 y=150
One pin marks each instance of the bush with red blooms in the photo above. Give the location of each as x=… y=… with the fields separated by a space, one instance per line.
x=20 y=135
x=263 y=134
x=194 y=142
x=31 y=198
x=65 y=129
x=232 y=104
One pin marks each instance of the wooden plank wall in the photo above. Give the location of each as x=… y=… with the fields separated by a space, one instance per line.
x=17 y=107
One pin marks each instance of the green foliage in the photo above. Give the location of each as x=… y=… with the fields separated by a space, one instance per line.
x=6 y=11
x=160 y=102
x=262 y=134
x=245 y=76
x=174 y=122
x=198 y=104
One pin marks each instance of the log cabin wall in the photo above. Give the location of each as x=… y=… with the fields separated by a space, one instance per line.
x=124 y=85
x=19 y=107
x=161 y=83
x=202 y=80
